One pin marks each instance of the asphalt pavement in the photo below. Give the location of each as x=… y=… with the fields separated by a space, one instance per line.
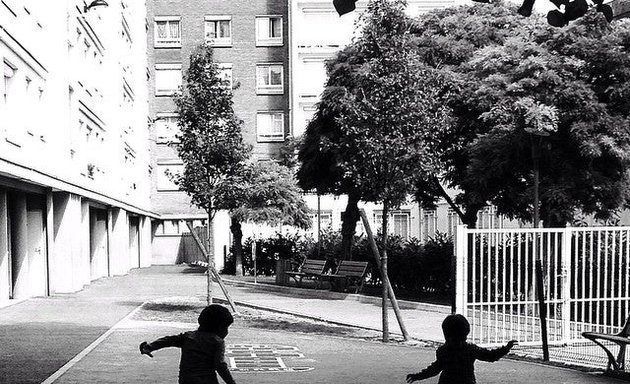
x=89 y=336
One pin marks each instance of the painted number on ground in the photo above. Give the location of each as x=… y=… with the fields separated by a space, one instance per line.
x=263 y=358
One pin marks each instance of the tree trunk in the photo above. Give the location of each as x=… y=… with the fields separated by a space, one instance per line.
x=237 y=245
x=349 y=225
x=384 y=277
x=210 y=259
x=535 y=163
x=470 y=214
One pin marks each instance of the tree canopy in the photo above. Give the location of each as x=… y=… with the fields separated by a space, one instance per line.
x=209 y=141
x=369 y=136
x=266 y=192
x=580 y=72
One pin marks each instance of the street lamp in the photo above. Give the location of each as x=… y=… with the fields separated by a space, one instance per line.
x=95 y=4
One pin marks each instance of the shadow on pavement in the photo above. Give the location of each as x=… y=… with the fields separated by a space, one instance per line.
x=32 y=352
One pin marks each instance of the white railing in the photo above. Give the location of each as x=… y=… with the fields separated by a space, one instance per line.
x=586 y=274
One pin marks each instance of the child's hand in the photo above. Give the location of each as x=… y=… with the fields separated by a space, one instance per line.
x=412 y=377
x=144 y=349
x=511 y=344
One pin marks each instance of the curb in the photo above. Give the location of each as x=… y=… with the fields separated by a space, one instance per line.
x=324 y=294
x=298 y=314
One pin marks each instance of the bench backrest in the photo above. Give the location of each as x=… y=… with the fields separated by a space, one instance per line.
x=313 y=266
x=352 y=268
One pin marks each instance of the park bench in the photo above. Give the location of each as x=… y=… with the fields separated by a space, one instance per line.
x=622 y=339
x=349 y=274
x=310 y=269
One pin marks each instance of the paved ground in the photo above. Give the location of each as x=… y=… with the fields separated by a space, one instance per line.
x=335 y=360
x=41 y=335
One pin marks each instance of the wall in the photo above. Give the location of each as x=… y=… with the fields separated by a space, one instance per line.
x=73 y=134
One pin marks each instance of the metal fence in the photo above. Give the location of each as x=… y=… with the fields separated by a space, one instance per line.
x=585 y=277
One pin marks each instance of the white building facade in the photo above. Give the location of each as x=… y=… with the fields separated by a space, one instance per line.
x=74 y=159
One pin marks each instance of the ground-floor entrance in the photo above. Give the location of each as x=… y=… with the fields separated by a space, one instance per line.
x=99 y=255
x=23 y=247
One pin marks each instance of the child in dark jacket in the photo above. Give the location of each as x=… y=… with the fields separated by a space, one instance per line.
x=456 y=358
x=203 y=350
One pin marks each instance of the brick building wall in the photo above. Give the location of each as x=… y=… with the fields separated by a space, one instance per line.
x=182 y=27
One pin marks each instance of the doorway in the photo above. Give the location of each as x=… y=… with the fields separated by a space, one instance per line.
x=99 y=258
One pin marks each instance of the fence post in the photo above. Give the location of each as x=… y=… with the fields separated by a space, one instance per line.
x=461 y=270
x=566 y=283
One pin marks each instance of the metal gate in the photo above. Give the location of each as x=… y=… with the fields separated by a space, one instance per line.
x=585 y=274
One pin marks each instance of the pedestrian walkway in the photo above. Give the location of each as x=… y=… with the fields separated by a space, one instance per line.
x=423 y=321
x=41 y=335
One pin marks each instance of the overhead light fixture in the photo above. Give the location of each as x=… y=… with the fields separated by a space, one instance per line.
x=95 y=4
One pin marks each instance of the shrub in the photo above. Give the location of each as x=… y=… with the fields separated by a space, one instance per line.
x=291 y=247
x=414 y=268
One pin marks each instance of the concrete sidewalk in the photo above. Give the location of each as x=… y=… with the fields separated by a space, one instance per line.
x=423 y=321
x=40 y=335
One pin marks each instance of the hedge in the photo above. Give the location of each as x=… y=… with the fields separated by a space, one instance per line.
x=413 y=267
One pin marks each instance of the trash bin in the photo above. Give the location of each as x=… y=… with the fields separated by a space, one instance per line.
x=282 y=266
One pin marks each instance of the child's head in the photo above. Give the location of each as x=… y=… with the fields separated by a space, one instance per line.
x=215 y=318
x=455 y=328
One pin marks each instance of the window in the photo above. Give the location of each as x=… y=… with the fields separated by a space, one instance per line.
x=487 y=218
x=168 y=78
x=167 y=32
x=164 y=181
x=453 y=222
x=312 y=75
x=268 y=30
x=166 y=127
x=219 y=31
x=270 y=126
x=397 y=225
x=308 y=111
x=325 y=217
x=400 y=224
x=429 y=224
x=225 y=73
x=269 y=79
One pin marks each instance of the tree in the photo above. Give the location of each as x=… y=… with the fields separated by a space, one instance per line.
x=319 y=158
x=581 y=72
x=384 y=106
x=446 y=40
x=210 y=143
x=265 y=192
x=573 y=9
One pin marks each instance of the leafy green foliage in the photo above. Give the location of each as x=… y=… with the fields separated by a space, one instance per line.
x=265 y=192
x=415 y=269
x=386 y=108
x=209 y=142
x=368 y=138
x=291 y=247
x=512 y=79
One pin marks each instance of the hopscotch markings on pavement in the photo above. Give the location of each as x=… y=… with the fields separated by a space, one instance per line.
x=262 y=358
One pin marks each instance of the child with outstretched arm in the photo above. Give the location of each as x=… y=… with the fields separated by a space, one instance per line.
x=456 y=358
x=203 y=350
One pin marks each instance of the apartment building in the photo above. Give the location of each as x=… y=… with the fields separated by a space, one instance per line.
x=251 y=46
x=74 y=163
